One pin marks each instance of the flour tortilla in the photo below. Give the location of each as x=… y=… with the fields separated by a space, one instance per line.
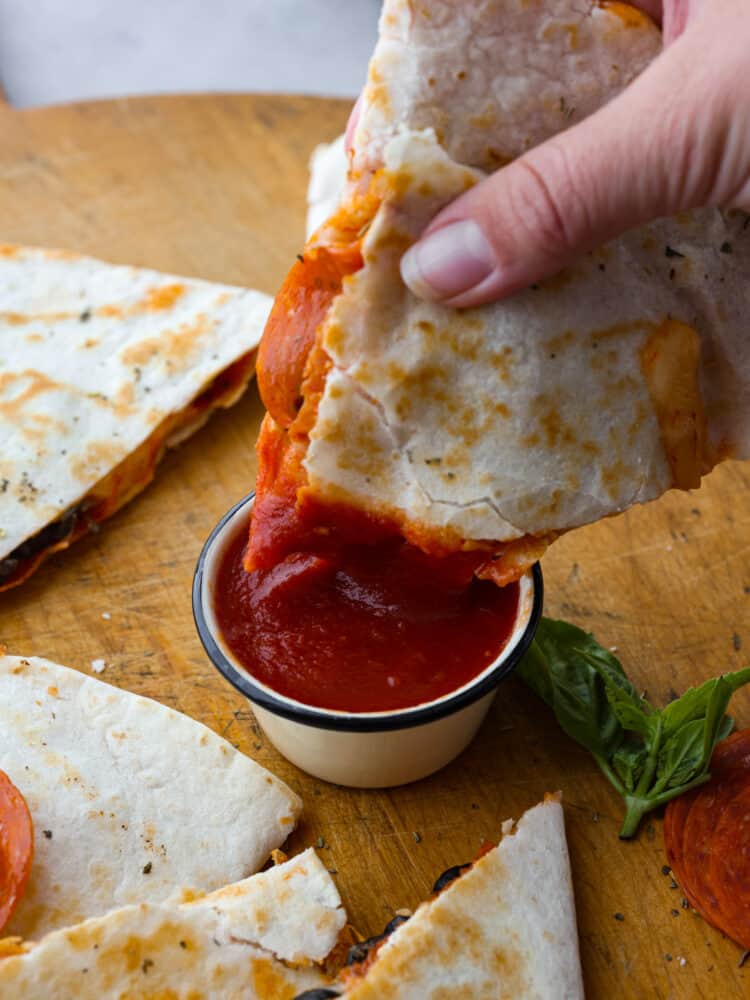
x=254 y=939
x=603 y=387
x=131 y=801
x=505 y=928
x=328 y=166
x=101 y=369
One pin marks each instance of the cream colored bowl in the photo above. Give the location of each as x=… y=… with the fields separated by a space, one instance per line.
x=359 y=749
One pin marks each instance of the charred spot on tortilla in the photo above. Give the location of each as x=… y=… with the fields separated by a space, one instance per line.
x=448 y=876
x=58 y=531
x=361 y=951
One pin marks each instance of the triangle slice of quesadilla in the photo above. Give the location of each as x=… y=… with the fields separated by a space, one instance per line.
x=505 y=928
x=494 y=429
x=260 y=939
x=101 y=369
x=130 y=800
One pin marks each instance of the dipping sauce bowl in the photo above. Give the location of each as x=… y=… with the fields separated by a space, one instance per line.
x=359 y=749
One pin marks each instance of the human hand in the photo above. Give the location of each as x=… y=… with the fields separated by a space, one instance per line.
x=677 y=138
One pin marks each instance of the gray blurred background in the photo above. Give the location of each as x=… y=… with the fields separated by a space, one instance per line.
x=68 y=50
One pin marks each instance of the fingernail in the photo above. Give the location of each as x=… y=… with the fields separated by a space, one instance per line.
x=448 y=262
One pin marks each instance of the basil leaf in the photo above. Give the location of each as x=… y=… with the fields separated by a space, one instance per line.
x=628 y=706
x=629 y=716
x=650 y=756
x=573 y=689
x=693 y=704
x=629 y=762
x=689 y=745
x=727 y=725
x=737 y=679
x=685 y=754
x=681 y=757
x=717 y=705
x=612 y=673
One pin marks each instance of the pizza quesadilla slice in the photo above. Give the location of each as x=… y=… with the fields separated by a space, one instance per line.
x=130 y=800
x=504 y=927
x=102 y=368
x=261 y=939
x=487 y=432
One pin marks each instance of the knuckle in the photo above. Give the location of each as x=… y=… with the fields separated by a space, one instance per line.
x=545 y=202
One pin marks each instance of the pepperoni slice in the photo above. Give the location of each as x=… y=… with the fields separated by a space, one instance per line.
x=729 y=871
x=707 y=838
x=732 y=754
x=697 y=845
x=300 y=307
x=16 y=847
x=674 y=825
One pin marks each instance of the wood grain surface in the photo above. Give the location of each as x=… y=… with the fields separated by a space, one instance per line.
x=214 y=187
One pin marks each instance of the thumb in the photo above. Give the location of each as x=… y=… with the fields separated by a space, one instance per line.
x=635 y=159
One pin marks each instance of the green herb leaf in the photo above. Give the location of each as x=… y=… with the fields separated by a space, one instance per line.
x=694 y=702
x=632 y=712
x=611 y=671
x=555 y=668
x=629 y=761
x=649 y=755
x=681 y=757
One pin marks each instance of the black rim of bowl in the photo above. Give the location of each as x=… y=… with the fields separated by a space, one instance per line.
x=354 y=723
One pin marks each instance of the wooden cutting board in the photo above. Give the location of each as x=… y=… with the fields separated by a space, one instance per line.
x=214 y=187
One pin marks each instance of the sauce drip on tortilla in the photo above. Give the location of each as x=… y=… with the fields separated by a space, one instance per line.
x=362 y=628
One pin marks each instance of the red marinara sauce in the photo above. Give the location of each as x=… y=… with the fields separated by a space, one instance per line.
x=362 y=628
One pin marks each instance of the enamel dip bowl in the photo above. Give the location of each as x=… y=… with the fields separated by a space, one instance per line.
x=359 y=749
